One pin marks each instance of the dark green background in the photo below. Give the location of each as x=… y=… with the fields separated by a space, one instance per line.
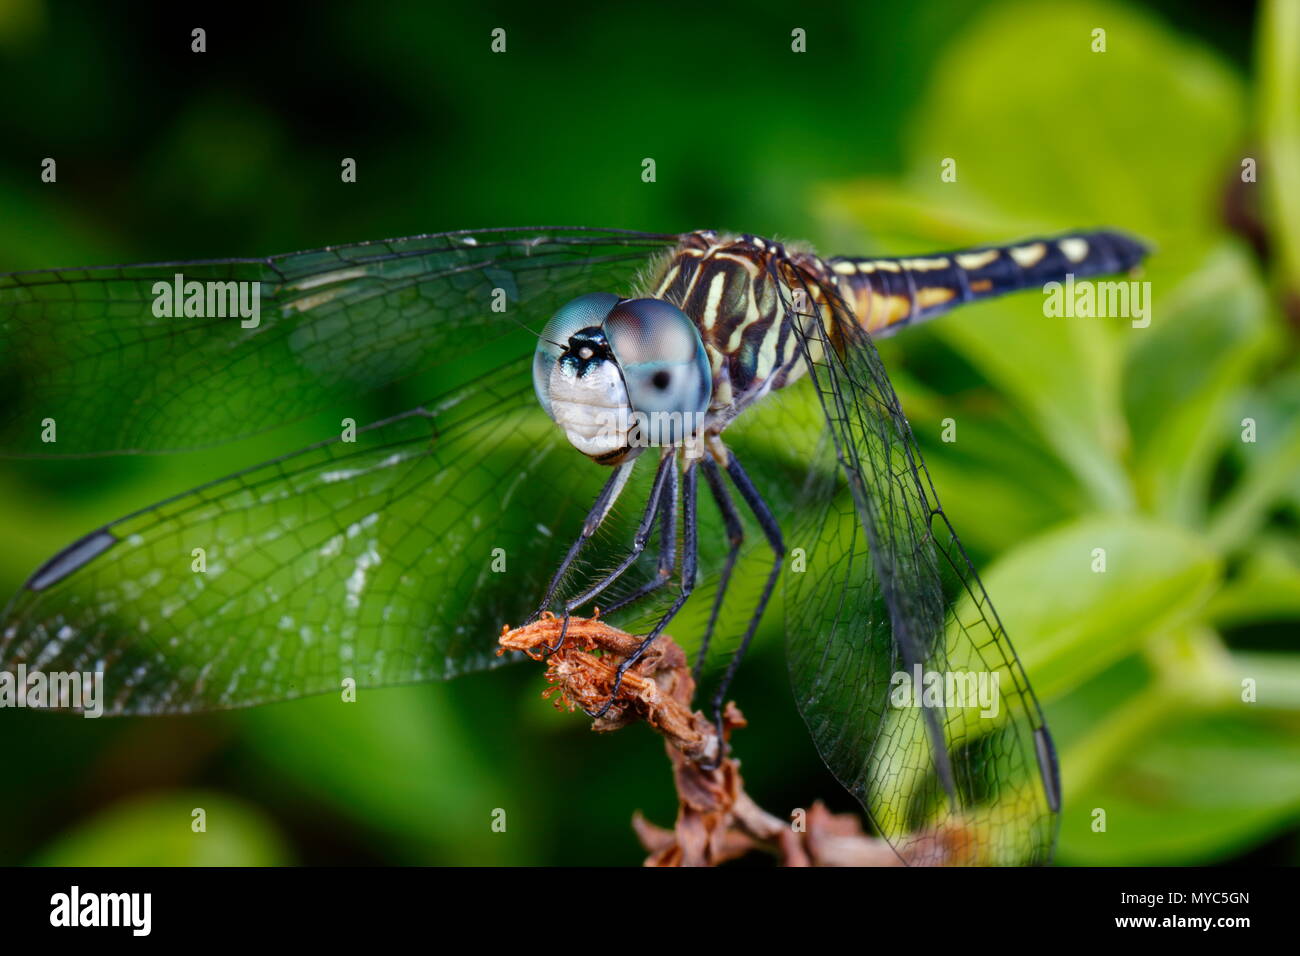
x=166 y=154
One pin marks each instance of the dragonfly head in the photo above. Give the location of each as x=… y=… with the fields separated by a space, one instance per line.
x=621 y=375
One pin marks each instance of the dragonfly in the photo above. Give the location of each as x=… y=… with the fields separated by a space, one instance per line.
x=398 y=550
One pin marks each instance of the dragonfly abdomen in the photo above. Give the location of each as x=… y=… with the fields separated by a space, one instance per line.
x=888 y=294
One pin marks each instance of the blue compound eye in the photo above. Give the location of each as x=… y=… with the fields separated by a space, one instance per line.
x=581 y=313
x=661 y=356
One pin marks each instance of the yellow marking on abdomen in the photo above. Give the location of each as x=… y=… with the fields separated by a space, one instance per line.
x=1076 y=250
x=878 y=311
x=925 y=265
x=981 y=285
x=1027 y=256
x=977 y=260
x=933 y=295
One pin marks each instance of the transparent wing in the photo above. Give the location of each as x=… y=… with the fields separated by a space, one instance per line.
x=84 y=349
x=394 y=558
x=889 y=604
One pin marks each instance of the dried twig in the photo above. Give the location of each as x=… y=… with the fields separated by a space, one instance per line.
x=716 y=819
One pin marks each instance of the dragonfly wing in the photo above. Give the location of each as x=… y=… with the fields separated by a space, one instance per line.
x=86 y=351
x=392 y=558
x=888 y=599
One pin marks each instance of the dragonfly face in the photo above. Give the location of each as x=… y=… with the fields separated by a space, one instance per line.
x=370 y=558
x=619 y=376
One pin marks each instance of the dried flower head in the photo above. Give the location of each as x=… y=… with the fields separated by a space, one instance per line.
x=716 y=820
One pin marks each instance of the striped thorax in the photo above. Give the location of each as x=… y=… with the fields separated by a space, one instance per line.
x=721 y=320
x=744 y=295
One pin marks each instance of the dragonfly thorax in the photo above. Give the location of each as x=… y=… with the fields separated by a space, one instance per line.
x=743 y=293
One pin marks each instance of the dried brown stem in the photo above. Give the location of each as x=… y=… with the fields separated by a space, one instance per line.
x=716 y=820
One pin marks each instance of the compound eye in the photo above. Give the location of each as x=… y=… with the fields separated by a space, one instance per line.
x=584 y=312
x=662 y=357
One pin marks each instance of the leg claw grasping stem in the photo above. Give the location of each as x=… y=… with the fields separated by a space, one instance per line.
x=631 y=679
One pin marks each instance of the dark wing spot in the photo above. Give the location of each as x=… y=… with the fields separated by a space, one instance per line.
x=75 y=556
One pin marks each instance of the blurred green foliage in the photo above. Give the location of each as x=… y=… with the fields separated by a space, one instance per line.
x=1147 y=422
x=1073 y=434
x=152 y=831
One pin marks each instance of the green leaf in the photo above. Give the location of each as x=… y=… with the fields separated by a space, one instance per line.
x=1275 y=677
x=1279 y=120
x=401 y=761
x=969 y=461
x=156 y=830
x=1065 y=136
x=1064 y=374
x=1069 y=622
x=1272 y=470
x=1266 y=586
x=1088 y=152
x=1184 y=376
x=1199 y=789
x=1185 y=766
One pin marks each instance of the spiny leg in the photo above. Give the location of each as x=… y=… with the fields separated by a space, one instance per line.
x=736 y=536
x=665 y=483
x=772 y=531
x=690 y=558
x=667 y=552
x=599 y=510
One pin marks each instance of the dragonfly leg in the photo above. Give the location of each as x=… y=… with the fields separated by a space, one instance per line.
x=736 y=536
x=666 y=475
x=667 y=552
x=772 y=531
x=599 y=510
x=690 y=558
